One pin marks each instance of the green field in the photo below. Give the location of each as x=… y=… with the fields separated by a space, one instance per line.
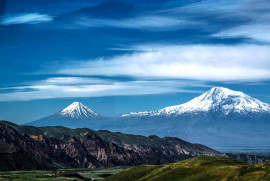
x=202 y=168
x=63 y=174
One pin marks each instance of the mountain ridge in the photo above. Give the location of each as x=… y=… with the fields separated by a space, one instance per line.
x=60 y=147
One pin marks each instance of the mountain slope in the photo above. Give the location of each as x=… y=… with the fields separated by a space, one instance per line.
x=218 y=99
x=198 y=168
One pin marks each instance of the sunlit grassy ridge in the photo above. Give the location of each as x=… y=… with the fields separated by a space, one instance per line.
x=199 y=169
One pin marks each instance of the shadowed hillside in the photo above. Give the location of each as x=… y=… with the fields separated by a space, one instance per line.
x=29 y=147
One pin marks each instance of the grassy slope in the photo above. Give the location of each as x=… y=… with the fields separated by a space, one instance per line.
x=198 y=168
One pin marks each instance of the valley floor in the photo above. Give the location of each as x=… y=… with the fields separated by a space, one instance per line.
x=63 y=174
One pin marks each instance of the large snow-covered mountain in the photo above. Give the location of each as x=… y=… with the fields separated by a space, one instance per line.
x=219 y=118
x=217 y=100
x=75 y=115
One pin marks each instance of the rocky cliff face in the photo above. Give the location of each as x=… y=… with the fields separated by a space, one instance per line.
x=36 y=151
x=22 y=152
x=168 y=145
x=249 y=158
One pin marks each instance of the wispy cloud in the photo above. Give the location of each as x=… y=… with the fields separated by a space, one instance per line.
x=256 y=12
x=73 y=81
x=229 y=19
x=141 y=22
x=66 y=87
x=258 y=32
x=31 y=18
x=200 y=62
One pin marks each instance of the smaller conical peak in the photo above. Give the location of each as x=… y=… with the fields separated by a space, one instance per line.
x=74 y=105
x=78 y=110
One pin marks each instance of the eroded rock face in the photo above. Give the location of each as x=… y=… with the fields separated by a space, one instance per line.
x=33 y=152
x=249 y=158
x=42 y=152
x=169 y=146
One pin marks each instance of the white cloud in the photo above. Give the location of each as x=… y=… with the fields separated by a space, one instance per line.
x=210 y=63
x=31 y=18
x=65 y=87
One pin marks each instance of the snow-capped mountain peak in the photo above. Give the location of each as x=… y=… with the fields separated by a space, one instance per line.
x=218 y=99
x=79 y=111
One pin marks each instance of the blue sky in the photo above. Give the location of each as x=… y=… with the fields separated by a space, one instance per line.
x=119 y=56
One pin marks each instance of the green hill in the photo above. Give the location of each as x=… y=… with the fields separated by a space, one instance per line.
x=199 y=168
